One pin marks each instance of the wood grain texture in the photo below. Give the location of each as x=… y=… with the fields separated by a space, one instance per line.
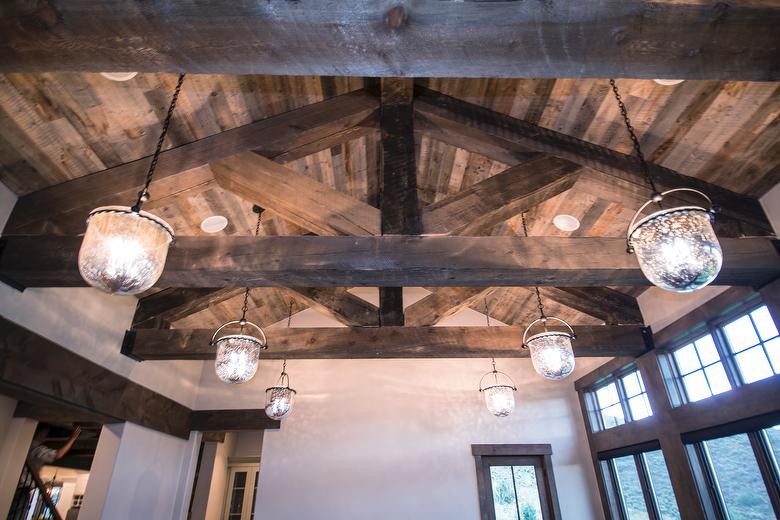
x=442 y=303
x=339 y=304
x=383 y=261
x=232 y=420
x=160 y=309
x=388 y=342
x=295 y=197
x=625 y=169
x=427 y=38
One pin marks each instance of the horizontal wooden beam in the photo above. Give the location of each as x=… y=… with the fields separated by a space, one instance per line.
x=383 y=261
x=231 y=420
x=387 y=342
x=624 y=172
x=601 y=38
x=67 y=204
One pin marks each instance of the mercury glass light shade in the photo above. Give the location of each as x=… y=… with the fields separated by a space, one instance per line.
x=499 y=392
x=279 y=401
x=551 y=354
x=677 y=248
x=123 y=252
x=237 y=354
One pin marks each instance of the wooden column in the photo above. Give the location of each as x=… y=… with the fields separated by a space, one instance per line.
x=398 y=180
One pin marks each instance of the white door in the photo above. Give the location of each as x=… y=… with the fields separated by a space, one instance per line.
x=241 y=492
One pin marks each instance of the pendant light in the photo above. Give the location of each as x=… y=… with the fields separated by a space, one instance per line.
x=238 y=354
x=676 y=248
x=499 y=393
x=551 y=351
x=280 y=398
x=124 y=248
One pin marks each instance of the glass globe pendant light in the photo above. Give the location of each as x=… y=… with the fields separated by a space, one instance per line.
x=551 y=351
x=124 y=248
x=676 y=248
x=238 y=354
x=279 y=399
x=499 y=393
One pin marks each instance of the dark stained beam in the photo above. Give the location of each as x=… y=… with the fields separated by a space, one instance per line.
x=480 y=207
x=67 y=204
x=609 y=305
x=442 y=303
x=388 y=342
x=624 y=178
x=31 y=364
x=398 y=202
x=383 y=261
x=160 y=309
x=231 y=420
x=424 y=38
x=339 y=304
x=294 y=196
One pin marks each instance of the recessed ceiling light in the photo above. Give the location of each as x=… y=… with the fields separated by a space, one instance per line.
x=668 y=82
x=566 y=222
x=119 y=76
x=214 y=224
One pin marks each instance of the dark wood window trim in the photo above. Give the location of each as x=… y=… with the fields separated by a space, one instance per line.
x=538 y=455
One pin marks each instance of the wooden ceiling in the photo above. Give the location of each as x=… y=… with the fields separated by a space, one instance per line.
x=55 y=127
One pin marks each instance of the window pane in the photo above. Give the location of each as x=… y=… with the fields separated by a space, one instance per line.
x=773 y=349
x=707 y=351
x=662 y=486
x=773 y=436
x=716 y=375
x=607 y=395
x=696 y=386
x=640 y=407
x=527 y=492
x=631 y=384
x=739 y=478
x=764 y=323
x=613 y=416
x=741 y=334
x=504 y=499
x=753 y=364
x=686 y=359
x=630 y=488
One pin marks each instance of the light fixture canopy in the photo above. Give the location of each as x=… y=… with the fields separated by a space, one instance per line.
x=124 y=248
x=676 y=248
x=279 y=399
x=123 y=251
x=499 y=393
x=551 y=351
x=238 y=354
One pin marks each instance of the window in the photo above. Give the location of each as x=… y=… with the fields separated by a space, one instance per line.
x=621 y=399
x=241 y=492
x=755 y=344
x=741 y=473
x=516 y=482
x=641 y=487
x=738 y=350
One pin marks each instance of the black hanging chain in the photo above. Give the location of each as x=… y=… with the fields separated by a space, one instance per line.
x=634 y=139
x=143 y=195
x=487 y=316
x=289 y=313
x=536 y=288
x=245 y=307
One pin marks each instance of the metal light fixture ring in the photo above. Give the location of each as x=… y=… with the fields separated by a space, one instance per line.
x=261 y=344
x=496 y=373
x=526 y=339
x=142 y=214
x=280 y=398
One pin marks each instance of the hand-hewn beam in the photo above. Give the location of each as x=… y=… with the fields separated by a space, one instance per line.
x=160 y=309
x=389 y=342
x=423 y=38
x=339 y=304
x=625 y=175
x=231 y=420
x=383 y=261
x=295 y=196
x=398 y=202
x=67 y=204
x=609 y=305
x=442 y=303
x=500 y=197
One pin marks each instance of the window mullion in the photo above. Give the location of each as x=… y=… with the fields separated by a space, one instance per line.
x=623 y=400
x=615 y=483
x=729 y=365
x=713 y=488
x=768 y=473
x=647 y=489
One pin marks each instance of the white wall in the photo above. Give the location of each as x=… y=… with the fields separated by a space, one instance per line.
x=15 y=437
x=140 y=473
x=92 y=324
